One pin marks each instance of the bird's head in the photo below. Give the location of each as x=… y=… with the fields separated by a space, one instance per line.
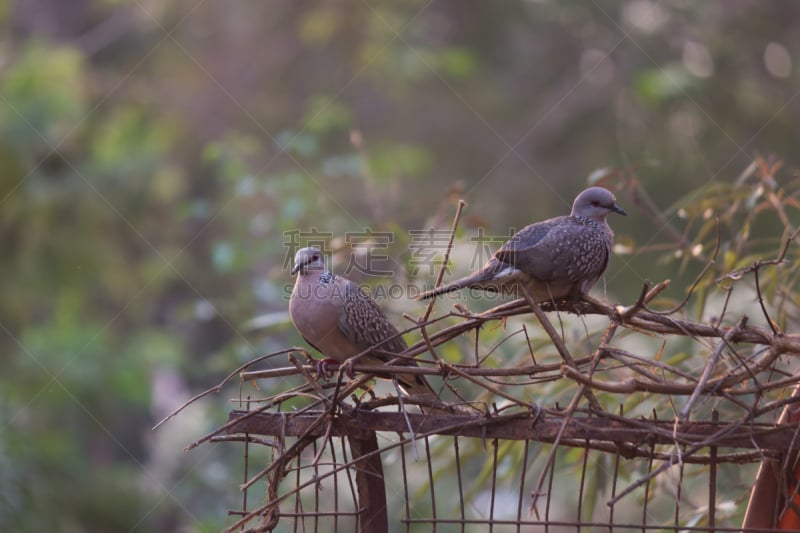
x=308 y=259
x=595 y=203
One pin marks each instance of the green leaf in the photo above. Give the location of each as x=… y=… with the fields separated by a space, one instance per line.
x=664 y=83
x=129 y=144
x=457 y=62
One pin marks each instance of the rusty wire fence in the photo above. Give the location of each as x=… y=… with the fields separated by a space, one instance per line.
x=565 y=416
x=384 y=482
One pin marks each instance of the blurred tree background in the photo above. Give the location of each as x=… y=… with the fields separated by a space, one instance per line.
x=154 y=156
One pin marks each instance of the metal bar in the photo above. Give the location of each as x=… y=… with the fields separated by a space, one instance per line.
x=712 y=481
x=646 y=493
x=563 y=523
x=579 y=513
x=460 y=482
x=545 y=429
x=549 y=493
x=495 y=445
x=431 y=481
x=405 y=487
x=522 y=476
x=370 y=485
x=316 y=476
x=298 y=503
x=348 y=471
x=613 y=493
x=678 y=494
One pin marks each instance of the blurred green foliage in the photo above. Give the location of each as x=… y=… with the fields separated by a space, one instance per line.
x=155 y=155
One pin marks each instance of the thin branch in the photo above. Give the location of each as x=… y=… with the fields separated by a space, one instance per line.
x=557 y=342
x=697 y=279
x=440 y=275
x=218 y=387
x=684 y=414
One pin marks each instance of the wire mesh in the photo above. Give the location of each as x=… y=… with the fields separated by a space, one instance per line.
x=471 y=484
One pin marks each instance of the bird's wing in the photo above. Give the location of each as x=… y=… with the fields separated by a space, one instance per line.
x=528 y=237
x=311 y=344
x=544 y=250
x=364 y=323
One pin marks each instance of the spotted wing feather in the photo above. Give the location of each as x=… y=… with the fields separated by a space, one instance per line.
x=364 y=323
x=560 y=250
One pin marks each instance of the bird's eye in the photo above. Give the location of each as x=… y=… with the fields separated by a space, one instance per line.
x=595 y=203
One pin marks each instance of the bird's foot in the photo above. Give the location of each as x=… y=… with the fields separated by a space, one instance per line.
x=348 y=369
x=327 y=367
x=324 y=367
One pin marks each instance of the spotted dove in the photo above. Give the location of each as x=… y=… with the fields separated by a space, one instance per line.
x=340 y=320
x=559 y=258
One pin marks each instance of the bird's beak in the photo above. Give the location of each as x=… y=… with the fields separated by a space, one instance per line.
x=297 y=268
x=617 y=209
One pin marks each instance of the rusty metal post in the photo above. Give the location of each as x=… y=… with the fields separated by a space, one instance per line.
x=373 y=515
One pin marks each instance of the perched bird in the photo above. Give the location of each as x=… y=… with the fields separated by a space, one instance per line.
x=340 y=320
x=555 y=259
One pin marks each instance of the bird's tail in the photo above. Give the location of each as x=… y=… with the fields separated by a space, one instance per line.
x=416 y=386
x=450 y=287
